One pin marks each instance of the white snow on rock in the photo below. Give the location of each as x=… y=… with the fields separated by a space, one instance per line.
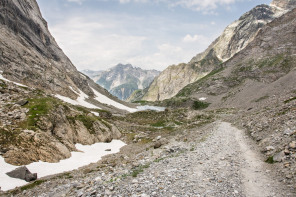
x=79 y=101
x=104 y=99
x=19 y=84
x=89 y=154
x=95 y=113
x=148 y=107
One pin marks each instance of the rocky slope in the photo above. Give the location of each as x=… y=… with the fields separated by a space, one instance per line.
x=30 y=55
x=34 y=124
x=122 y=80
x=259 y=81
x=234 y=38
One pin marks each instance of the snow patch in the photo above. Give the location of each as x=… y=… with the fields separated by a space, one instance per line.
x=79 y=101
x=89 y=154
x=202 y=99
x=95 y=113
x=4 y=79
x=104 y=99
x=148 y=107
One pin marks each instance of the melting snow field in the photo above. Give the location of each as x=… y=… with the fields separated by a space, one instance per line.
x=89 y=154
x=104 y=99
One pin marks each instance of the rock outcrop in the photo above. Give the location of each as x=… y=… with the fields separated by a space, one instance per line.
x=234 y=38
x=36 y=126
x=22 y=173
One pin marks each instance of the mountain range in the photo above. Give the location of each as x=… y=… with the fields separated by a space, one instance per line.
x=245 y=77
x=122 y=80
x=235 y=37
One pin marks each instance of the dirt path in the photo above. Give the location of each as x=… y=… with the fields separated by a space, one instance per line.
x=223 y=163
x=256 y=180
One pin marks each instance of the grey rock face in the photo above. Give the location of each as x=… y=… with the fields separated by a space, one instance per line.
x=30 y=55
x=285 y=4
x=23 y=173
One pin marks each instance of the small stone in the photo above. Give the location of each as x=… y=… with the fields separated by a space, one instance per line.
x=111 y=188
x=158 y=138
x=269 y=148
x=279 y=156
x=292 y=145
x=287 y=152
x=134 y=181
x=108 y=149
x=22 y=102
x=286 y=165
x=157 y=144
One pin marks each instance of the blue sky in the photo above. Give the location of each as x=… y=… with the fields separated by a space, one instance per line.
x=151 y=34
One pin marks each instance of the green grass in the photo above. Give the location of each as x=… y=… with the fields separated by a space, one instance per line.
x=8 y=137
x=198 y=105
x=270 y=160
x=32 y=185
x=289 y=100
x=87 y=121
x=142 y=102
x=38 y=107
x=261 y=98
x=160 y=123
x=139 y=170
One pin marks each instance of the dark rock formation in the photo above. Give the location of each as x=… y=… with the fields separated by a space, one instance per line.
x=22 y=173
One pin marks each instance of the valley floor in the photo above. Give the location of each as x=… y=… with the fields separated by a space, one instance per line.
x=218 y=160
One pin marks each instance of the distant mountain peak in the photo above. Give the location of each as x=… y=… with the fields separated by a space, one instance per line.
x=123 y=79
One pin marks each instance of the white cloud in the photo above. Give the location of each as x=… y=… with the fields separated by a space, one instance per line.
x=76 y=1
x=202 y=5
x=198 y=5
x=189 y=38
x=89 y=45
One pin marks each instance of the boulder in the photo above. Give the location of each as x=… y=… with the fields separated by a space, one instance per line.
x=22 y=102
x=279 y=157
x=22 y=173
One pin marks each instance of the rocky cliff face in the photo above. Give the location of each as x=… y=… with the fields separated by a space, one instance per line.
x=122 y=80
x=35 y=125
x=30 y=55
x=234 y=38
x=268 y=58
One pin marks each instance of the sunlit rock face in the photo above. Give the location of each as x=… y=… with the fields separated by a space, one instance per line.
x=235 y=38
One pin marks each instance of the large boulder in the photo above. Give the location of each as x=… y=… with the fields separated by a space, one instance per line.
x=23 y=173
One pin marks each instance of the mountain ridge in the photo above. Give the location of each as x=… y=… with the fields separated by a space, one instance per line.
x=235 y=37
x=122 y=80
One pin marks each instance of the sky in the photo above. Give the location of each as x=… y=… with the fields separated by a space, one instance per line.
x=151 y=34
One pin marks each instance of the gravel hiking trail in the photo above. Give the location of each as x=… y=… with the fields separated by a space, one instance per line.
x=224 y=163
x=217 y=161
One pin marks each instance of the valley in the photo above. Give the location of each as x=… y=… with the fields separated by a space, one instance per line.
x=223 y=124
